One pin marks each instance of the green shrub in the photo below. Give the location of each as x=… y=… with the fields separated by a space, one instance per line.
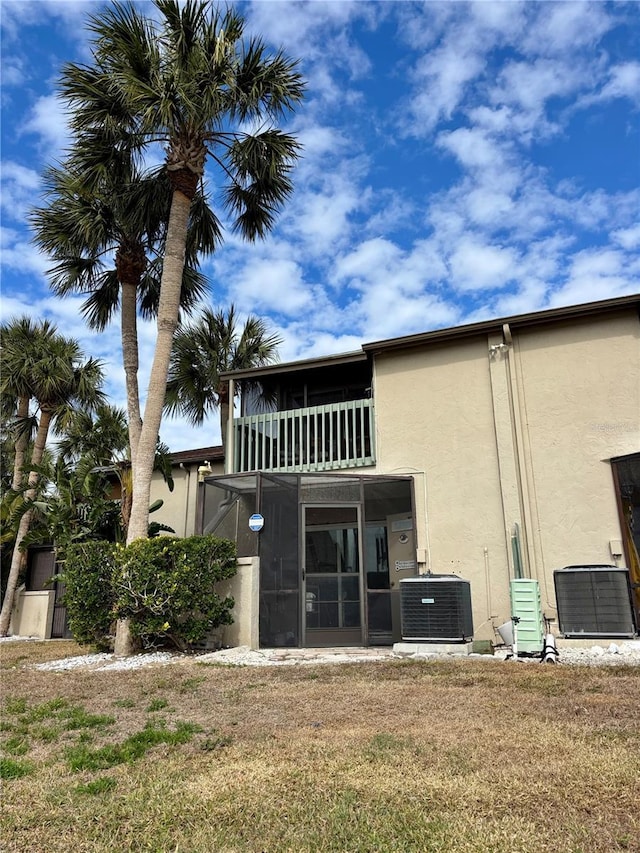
x=166 y=587
x=88 y=574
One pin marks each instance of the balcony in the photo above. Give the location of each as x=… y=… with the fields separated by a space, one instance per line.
x=318 y=438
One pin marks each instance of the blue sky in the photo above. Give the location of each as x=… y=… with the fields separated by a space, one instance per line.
x=462 y=161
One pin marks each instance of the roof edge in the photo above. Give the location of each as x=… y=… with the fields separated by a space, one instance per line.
x=198 y=454
x=515 y=321
x=292 y=366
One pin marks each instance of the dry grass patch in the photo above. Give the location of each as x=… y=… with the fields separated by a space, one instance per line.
x=465 y=755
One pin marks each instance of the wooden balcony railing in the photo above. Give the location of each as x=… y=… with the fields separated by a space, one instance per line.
x=319 y=438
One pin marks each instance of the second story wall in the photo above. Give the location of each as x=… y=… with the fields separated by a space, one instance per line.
x=510 y=437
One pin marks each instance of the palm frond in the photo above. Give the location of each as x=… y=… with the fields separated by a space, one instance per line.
x=260 y=166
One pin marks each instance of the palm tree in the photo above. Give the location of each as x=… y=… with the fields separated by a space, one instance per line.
x=59 y=381
x=100 y=437
x=122 y=216
x=186 y=83
x=207 y=348
x=16 y=338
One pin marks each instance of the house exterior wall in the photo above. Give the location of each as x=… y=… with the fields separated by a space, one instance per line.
x=180 y=506
x=580 y=399
x=244 y=587
x=500 y=430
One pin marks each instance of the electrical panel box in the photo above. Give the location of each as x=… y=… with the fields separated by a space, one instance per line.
x=401 y=542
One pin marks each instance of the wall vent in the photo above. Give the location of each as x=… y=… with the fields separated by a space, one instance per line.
x=594 y=601
x=436 y=609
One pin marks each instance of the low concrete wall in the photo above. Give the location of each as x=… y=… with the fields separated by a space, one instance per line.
x=33 y=614
x=245 y=588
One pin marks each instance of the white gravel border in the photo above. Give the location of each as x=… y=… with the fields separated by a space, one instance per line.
x=625 y=653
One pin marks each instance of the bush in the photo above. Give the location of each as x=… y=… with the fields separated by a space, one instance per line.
x=165 y=586
x=88 y=574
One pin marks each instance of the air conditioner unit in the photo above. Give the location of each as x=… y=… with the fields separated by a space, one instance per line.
x=436 y=609
x=594 y=601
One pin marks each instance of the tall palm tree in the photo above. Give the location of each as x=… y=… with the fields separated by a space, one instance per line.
x=121 y=216
x=192 y=84
x=205 y=349
x=59 y=381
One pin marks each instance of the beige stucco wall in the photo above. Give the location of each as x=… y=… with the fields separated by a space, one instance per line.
x=502 y=433
x=245 y=589
x=580 y=401
x=179 y=509
x=32 y=614
x=434 y=417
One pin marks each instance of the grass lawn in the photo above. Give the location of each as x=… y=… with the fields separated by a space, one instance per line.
x=456 y=755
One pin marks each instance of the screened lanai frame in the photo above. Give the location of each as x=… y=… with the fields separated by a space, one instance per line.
x=229 y=500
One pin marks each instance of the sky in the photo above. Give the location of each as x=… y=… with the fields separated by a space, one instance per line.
x=462 y=161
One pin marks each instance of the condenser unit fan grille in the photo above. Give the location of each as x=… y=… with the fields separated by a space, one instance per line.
x=436 y=609
x=594 y=601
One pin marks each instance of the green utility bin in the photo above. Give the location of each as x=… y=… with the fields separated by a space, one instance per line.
x=527 y=607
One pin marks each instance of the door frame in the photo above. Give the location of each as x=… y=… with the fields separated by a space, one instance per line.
x=351 y=505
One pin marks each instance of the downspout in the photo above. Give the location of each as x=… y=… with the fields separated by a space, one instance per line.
x=229 y=450
x=204 y=470
x=533 y=554
x=187 y=471
x=519 y=539
x=532 y=537
x=505 y=438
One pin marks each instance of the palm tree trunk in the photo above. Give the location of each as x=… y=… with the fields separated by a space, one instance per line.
x=126 y=487
x=130 y=360
x=19 y=557
x=20 y=447
x=143 y=460
x=168 y=313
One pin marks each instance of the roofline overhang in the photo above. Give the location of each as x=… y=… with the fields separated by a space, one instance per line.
x=198 y=455
x=515 y=322
x=295 y=366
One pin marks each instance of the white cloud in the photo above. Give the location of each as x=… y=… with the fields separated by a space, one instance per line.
x=628 y=238
x=368 y=260
x=321 y=218
x=562 y=28
x=20 y=186
x=21 y=256
x=528 y=86
x=622 y=81
x=475 y=148
x=270 y=284
x=477 y=266
x=598 y=273
x=47 y=119
x=439 y=82
x=388 y=312
x=14 y=73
